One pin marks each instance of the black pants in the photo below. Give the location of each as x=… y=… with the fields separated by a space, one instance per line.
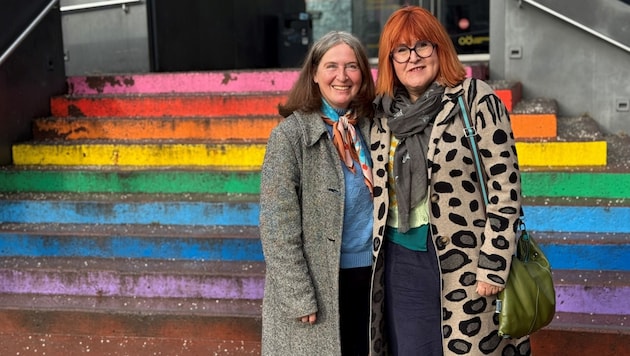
x=354 y=310
x=412 y=301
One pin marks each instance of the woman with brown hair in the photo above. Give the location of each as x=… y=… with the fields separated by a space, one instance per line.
x=316 y=207
x=445 y=255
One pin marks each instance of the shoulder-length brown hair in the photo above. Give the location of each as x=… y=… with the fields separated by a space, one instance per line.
x=409 y=24
x=305 y=95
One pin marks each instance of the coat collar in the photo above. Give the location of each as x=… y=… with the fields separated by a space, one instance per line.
x=451 y=108
x=313 y=127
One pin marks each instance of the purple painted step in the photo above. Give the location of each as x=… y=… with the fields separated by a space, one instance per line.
x=592 y=292
x=132 y=278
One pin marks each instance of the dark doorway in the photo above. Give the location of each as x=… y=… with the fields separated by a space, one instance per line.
x=195 y=35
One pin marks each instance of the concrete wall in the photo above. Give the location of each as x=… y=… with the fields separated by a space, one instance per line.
x=31 y=74
x=331 y=15
x=584 y=73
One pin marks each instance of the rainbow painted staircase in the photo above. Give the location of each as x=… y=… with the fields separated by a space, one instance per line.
x=128 y=225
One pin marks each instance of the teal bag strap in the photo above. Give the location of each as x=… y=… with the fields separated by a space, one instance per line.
x=470 y=132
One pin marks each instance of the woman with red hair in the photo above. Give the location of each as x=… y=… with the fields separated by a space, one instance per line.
x=444 y=256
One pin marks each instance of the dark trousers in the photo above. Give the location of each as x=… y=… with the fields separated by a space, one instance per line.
x=412 y=301
x=354 y=310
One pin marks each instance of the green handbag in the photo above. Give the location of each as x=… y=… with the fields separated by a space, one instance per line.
x=528 y=301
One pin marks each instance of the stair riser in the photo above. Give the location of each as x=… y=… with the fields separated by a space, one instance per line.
x=155 y=212
x=132 y=181
x=207 y=82
x=250 y=156
x=179 y=284
x=562 y=154
x=251 y=129
x=566 y=256
x=218 y=129
x=595 y=300
x=54 y=344
x=219 y=156
x=534 y=184
x=59 y=342
x=204 y=82
x=135 y=247
x=595 y=256
x=130 y=284
x=534 y=126
x=69 y=332
x=568 y=342
x=187 y=106
x=588 y=219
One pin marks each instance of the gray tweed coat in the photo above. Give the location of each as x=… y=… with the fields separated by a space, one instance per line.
x=301 y=220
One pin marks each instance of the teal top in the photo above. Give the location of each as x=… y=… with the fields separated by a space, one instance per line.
x=415 y=239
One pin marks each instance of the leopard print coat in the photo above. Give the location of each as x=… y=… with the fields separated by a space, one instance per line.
x=470 y=246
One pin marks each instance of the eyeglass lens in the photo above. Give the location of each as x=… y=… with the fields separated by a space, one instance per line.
x=423 y=49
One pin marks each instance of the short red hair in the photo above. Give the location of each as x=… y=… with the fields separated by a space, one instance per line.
x=405 y=26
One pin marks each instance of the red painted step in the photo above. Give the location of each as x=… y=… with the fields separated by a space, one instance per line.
x=192 y=105
x=61 y=326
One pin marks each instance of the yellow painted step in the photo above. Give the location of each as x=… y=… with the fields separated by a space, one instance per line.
x=250 y=156
x=562 y=154
x=232 y=156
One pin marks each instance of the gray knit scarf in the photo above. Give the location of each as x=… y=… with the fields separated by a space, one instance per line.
x=411 y=123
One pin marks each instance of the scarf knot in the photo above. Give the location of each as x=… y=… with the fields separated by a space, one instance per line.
x=348 y=142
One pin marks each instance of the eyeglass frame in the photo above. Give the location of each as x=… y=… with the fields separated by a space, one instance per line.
x=433 y=45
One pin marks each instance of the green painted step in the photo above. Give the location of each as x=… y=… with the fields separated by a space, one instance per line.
x=606 y=185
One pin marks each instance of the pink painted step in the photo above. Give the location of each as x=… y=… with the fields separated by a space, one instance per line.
x=202 y=82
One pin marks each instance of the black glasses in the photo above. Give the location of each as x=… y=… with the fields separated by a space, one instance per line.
x=423 y=49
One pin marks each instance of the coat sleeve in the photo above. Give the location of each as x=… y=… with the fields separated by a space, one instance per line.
x=500 y=163
x=288 y=280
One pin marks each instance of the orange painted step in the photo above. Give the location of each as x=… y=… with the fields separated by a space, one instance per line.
x=242 y=128
x=528 y=126
x=535 y=118
x=204 y=105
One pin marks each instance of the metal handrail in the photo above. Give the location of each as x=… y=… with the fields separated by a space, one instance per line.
x=98 y=4
x=577 y=24
x=27 y=31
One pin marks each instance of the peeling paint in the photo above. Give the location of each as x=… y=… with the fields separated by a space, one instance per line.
x=227 y=78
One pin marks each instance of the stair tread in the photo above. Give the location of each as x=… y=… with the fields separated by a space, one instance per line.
x=135 y=266
x=152 y=230
x=571 y=238
x=502 y=84
x=148 y=141
x=579 y=128
x=133 y=305
x=156 y=117
x=594 y=322
x=618 y=152
x=536 y=106
x=131 y=197
x=169 y=95
x=590 y=278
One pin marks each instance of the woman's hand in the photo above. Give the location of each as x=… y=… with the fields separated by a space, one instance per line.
x=484 y=289
x=309 y=318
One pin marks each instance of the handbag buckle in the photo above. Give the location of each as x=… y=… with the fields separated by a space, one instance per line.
x=499 y=306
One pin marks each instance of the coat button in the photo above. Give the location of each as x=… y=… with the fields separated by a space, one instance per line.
x=444 y=240
x=435 y=198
